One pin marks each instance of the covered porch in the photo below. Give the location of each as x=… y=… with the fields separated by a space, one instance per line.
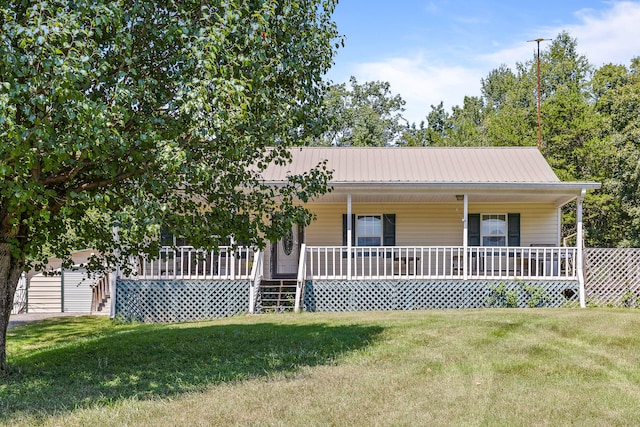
x=433 y=262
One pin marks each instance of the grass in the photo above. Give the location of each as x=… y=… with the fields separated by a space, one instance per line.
x=458 y=367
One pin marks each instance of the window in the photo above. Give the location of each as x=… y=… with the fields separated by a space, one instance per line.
x=494 y=230
x=369 y=230
x=167 y=238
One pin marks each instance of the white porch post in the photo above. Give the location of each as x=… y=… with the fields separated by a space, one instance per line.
x=579 y=246
x=349 y=234
x=232 y=260
x=256 y=271
x=465 y=237
x=114 y=275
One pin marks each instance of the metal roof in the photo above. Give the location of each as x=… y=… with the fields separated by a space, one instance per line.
x=491 y=171
x=421 y=165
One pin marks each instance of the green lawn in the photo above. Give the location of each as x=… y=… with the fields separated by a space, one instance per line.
x=458 y=367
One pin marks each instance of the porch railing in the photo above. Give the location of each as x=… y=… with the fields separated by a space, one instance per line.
x=100 y=293
x=442 y=262
x=20 y=297
x=187 y=262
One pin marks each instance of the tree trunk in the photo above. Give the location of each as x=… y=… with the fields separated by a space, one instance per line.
x=10 y=270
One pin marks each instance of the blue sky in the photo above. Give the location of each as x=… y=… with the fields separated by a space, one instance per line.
x=432 y=51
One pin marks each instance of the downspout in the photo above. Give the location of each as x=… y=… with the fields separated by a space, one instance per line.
x=579 y=246
x=62 y=289
x=26 y=290
x=114 y=275
x=349 y=234
x=465 y=237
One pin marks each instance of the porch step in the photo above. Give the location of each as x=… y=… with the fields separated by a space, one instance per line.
x=277 y=295
x=103 y=307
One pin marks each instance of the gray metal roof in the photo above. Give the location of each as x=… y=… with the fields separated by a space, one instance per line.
x=432 y=175
x=421 y=165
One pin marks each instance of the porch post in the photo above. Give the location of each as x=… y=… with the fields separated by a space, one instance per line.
x=349 y=234
x=232 y=267
x=465 y=238
x=579 y=245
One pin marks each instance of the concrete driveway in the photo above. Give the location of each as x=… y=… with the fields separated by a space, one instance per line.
x=22 y=318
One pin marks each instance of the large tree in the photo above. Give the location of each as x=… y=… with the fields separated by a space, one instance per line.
x=140 y=113
x=366 y=114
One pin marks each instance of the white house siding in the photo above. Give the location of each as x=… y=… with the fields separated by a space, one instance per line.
x=434 y=224
x=78 y=291
x=44 y=294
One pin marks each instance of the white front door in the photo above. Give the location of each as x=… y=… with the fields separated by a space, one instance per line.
x=287 y=253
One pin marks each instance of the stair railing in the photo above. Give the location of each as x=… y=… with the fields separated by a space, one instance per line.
x=302 y=272
x=256 y=278
x=101 y=292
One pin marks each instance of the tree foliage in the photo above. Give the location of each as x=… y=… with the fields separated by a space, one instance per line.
x=366 y=114
x=144 y=113
x=590 y=130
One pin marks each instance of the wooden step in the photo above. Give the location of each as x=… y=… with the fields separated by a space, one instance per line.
x=277 y=295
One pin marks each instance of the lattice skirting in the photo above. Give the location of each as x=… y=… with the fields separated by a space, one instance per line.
x=612 y=276
x=332 y=295
x=180 y=300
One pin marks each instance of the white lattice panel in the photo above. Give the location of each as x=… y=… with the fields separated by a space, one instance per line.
x=180 y=300
x=339 y=295
x=612 y=276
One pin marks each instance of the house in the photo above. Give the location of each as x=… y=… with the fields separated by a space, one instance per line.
x=402 y=228
x=59 y=289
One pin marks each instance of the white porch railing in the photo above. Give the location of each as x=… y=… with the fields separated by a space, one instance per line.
x=257 y=272
x=302 y=273
x=442 y=262
x=187 y=262
x=20 y=297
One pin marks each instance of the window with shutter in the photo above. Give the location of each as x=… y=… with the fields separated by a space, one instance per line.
x=370 y=230
x=494 y=229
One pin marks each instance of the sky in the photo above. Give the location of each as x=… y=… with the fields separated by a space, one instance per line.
x=432 y=51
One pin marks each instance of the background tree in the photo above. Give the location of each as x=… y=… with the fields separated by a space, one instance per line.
x=590 y=130
x=144 y=113
x=366 y=114
x=467 y=123
x=433 y=134
x=614 y=158
x=511 y=116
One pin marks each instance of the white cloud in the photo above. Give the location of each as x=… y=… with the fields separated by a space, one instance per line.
x=422 y=83
x=612 y=35
x=608 y=35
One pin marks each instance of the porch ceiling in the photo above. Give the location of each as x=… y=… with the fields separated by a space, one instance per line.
x=555 y=195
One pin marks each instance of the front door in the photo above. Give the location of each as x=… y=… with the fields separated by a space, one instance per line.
x=286 y=254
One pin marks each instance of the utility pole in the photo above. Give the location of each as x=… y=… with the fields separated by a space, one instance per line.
x=539 y=121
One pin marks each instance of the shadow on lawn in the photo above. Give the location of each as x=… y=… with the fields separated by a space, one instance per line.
x=147 y=361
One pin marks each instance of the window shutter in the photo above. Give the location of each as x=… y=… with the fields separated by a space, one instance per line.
x=344 y=230
x=389 y=230
x=513 y=229
x=166 y=237
x=473 y=229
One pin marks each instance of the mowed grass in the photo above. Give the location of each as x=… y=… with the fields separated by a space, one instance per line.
x=458 y=367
